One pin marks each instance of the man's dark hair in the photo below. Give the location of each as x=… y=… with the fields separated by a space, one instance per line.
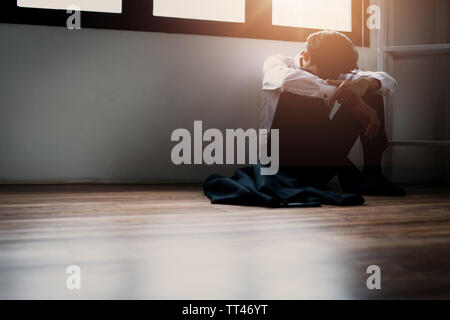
x=332 y=51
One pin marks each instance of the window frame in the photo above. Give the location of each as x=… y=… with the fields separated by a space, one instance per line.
x=137 y=15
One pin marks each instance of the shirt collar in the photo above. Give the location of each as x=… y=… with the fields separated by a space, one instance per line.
x=297 y=61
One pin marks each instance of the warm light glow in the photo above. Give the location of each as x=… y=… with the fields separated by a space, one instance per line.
x=314 y=14
x=216 y=10
x=113 y=6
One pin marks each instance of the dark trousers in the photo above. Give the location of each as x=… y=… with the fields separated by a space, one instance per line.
x=316 y=147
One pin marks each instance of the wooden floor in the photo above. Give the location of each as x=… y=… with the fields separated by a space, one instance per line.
x=169 y=242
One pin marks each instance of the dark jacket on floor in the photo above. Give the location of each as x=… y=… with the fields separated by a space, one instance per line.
x=249 y=187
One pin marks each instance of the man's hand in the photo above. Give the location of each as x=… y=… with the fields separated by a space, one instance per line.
x=374 y=125
x=367 y=117
x=348 y=92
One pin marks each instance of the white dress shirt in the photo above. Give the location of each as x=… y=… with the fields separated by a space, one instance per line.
x=282 y=73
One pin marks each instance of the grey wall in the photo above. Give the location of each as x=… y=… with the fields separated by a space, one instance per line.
x=100 y=105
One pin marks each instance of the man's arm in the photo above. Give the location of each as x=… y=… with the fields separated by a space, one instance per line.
x=387 y=84
x=356 y=85
x=280 y=74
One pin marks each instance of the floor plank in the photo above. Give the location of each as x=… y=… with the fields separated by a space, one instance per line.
x=169 y=242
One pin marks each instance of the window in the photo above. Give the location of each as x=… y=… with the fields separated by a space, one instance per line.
x=114 y=6
x=215 y=10
x=316 y=14
x=289 y=20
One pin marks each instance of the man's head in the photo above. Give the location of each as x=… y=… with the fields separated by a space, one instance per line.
x=329 y=54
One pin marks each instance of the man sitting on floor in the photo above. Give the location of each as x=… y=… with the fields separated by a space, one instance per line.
x=327 y=70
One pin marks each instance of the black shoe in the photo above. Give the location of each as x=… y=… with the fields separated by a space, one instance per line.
x=389 y=189
x=356 y=182
x=353 y=181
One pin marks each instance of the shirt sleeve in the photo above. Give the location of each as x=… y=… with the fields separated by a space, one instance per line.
x=280 y=75
x=303 y=83
x=275 y=72
x=388 y=83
